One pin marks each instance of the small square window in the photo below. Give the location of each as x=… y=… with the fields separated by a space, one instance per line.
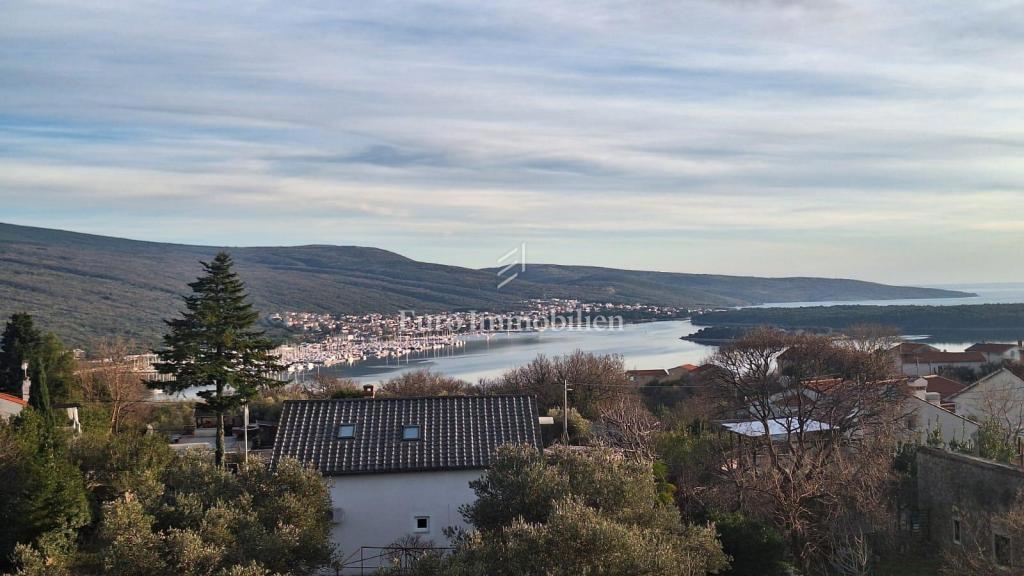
x=346 y=431
x=411 y=432
x=422 y=524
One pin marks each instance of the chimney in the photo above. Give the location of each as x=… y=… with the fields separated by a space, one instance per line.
x=26 y=383
x=369 y=391
x=918 y=387
x=933 y=398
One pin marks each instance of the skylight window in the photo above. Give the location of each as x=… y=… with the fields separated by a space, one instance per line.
x=346 y=431
x=411 y=432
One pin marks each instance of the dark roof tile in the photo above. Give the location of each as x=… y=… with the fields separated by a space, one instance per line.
x=458 y=432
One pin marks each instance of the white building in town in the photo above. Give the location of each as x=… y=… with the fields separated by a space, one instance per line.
x=998 y=396
x=400 y=467
x=926 y=414
x=999 y=353
x=928 y=362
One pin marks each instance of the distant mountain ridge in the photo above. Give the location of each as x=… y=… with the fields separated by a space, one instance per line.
x=82 y=286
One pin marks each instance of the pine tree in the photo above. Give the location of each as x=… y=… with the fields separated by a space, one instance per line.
x=214 y=345
x=52 y=372
x=39 y=396
x=19 y=340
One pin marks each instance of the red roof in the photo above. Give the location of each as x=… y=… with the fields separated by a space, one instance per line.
x=704 y=368
x=688 y=367
x=823 y=385
x=992 y=348
x=14 y=399
x=944 y=386
x=944 y=357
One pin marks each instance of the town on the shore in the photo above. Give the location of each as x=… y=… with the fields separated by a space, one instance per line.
x=328 y=339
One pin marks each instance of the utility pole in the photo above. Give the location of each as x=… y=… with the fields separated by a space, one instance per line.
x=26 y=382
x=565 y=412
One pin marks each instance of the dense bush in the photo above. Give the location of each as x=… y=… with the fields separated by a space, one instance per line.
x=125 y=504
x=754 y=548
x=425 y=383
x=594 y=379
x=41 y=491
x=575 y=512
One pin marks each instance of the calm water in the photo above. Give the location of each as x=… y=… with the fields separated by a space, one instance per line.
x=650 y=345
x=1005 y=293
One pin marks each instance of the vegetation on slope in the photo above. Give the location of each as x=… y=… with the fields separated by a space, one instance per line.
x=1005 y=321
x=81 y=286
x=679 y=289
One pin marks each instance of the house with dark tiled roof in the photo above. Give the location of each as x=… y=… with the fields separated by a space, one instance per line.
x=401 y=467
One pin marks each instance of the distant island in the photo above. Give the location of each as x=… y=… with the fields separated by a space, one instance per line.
x=82 y=286
x=949 y=323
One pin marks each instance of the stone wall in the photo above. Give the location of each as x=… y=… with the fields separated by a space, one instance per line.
x=960 y=493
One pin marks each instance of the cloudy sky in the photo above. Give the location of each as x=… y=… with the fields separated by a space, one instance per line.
x=879 y=140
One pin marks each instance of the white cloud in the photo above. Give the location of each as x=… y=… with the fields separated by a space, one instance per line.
x=589 y=126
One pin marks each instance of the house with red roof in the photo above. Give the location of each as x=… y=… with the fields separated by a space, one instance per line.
x=927 y=416
x=682 y=371
x=944 y=387
x=642 y=377
x=927 y=362
x=11 y=406
x=912 y=348
x=998 y=396
x=999 y=353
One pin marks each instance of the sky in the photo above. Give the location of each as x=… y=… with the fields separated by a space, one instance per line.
x=872 y=139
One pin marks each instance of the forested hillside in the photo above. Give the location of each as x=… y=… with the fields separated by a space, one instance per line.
x=82 y=285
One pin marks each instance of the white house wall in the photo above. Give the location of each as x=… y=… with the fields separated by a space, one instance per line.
x=375 y=510
x=9 y=409
x=924 y=417
x=999 y=395
x=929 y=368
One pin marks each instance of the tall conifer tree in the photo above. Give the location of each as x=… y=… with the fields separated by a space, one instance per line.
x=19 y=341
x=214 y=345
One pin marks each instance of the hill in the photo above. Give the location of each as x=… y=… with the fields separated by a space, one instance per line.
x=678 y=289
x=82 y=286
x=962 y=323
